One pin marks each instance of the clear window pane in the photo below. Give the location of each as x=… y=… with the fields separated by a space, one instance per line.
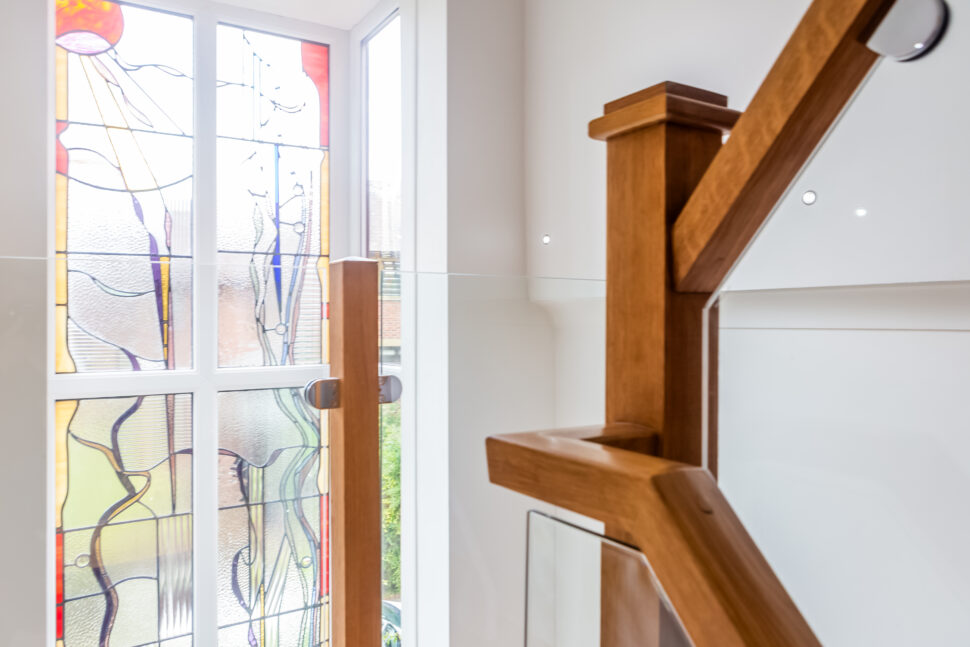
x=382 y=55
x=384 y=140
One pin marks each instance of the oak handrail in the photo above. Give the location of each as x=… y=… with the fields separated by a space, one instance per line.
x=817 y=73
x=722 y=588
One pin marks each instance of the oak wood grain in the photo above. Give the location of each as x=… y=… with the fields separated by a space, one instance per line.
x=355 y=477
x=817 y=73
x=667 y=87
x=654 y=361
x=675 y=515
x=756 y=600
x=657 y=106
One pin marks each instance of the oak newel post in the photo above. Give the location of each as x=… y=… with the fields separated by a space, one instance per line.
x=355 y=455
x=659 y=143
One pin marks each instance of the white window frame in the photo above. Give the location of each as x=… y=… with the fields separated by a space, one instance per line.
x=369 y=27
x=205 y=380
x=383 y=13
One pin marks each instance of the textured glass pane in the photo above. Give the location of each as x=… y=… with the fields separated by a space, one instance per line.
x=269 y=198
x=273 y=192
x=283 y=629
x=273 y=520
x=113 y=211
x=272 y=314
x=272 y=88
x=123 y=519
x=127 y=313
x=124 y=164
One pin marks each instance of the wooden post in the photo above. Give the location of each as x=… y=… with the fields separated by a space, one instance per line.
x=659 y=143
x=355 y=478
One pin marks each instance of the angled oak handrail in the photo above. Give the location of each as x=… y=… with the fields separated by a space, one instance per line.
x=723 y=589
x=813 y=79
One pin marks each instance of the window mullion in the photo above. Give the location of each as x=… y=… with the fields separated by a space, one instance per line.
x=82 y=386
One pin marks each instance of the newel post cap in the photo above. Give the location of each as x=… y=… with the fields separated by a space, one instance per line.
x=666 y=102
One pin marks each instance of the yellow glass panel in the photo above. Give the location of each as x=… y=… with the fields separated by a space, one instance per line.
x=323 y=271
x=60 y=273
x=60 y=79
x=63 y=413
x=63 y=362
x=325 y=204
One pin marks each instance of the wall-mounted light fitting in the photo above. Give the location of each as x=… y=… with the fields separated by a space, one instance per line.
x=910 y=29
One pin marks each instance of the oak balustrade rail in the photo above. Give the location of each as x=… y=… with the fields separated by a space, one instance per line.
x=723 y=589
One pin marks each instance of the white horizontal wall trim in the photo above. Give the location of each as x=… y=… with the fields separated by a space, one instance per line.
x=915 y=307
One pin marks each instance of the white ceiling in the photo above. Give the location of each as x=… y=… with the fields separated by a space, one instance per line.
x=342 y=14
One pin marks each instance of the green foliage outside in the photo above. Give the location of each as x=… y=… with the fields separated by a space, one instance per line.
x=391 y=496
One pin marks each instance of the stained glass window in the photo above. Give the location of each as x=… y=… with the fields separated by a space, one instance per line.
x=124 y=521
x=123 y=222
x=273 y=520
x=124 y=274
x=273 y=198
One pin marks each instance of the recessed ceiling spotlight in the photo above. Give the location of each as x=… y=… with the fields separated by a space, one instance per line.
x=546 y=239
x=862 y=213
x=809 y=197
x=919 y=46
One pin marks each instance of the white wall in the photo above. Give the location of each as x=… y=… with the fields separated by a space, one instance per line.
x=26 y=480
x=899 y=152
x=581 y=54
x=485 y=166
x=25 y=178
x=501 y=361
x=845 y=449
x=484 y=355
